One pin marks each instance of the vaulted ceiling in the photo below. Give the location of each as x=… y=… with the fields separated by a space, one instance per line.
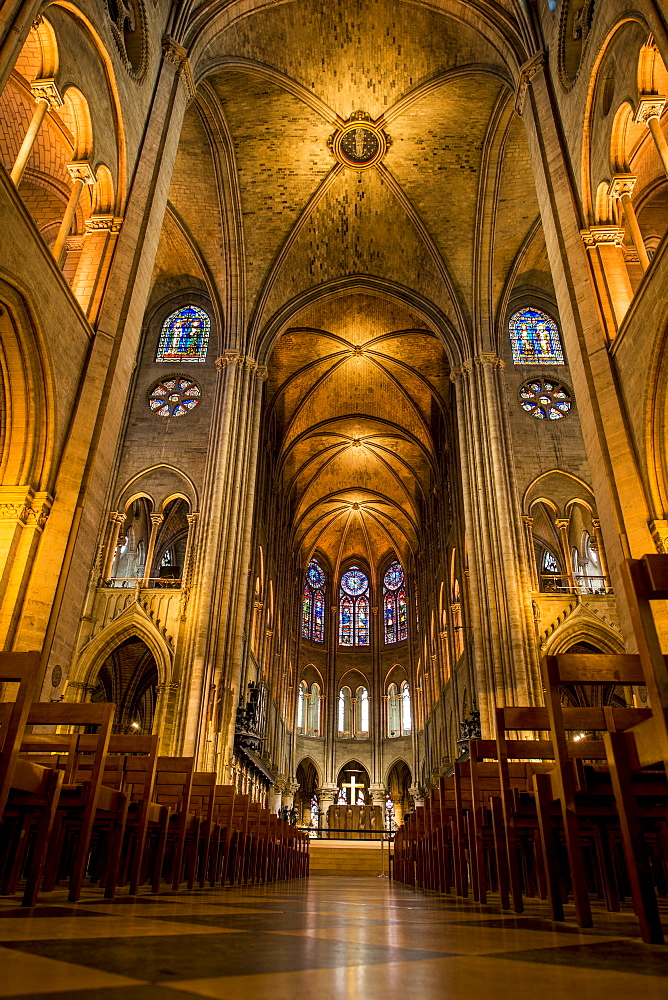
x=268 y=222
x=356 y=401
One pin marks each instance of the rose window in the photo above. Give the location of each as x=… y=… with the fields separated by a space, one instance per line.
x=174 y=397
x=545 y=399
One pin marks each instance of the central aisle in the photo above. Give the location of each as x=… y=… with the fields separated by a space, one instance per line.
x=322 y=939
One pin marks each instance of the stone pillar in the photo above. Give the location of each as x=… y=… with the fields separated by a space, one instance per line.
x=530 y=551
x=610 y=275
x=289 y=791
x=89 y=281
x=649 y=111
x=378 y=793
x=600 y=550
x=562 y=524
x=621 y=187
x=163 y=720
x=327 y=797
x=116 y=520
x=46 y=96
x=81 y=174
x=274 y=797
x=505 y=658
x=16 y=20
x=418 y=795
x=156 y=521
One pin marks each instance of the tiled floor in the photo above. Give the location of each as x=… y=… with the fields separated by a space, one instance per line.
x=321 y=939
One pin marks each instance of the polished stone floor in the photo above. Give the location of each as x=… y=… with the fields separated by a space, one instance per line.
x=320 y=939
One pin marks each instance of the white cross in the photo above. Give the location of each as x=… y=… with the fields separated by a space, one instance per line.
x=353 y=786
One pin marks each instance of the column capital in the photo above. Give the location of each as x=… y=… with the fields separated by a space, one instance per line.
x=46 y=90
x=175 y=54
x=157 y=518
x=649 y=106
x=25 y=507
x=602 y=236
x=81 y=170
x=528 y=519
x=103 y=223
x=561 y=522
x=262 y=373
x=659 y=530
x=528 y=71
x=622 y=184
x=192 y=517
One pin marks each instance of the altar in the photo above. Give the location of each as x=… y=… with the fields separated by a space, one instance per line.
x=355 y=822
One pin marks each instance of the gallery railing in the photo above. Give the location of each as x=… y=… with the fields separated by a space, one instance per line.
x=556 y=583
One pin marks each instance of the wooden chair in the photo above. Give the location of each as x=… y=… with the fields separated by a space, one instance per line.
x=171 y=790
x=221 y=841
x=24 y=669
x=83 y=792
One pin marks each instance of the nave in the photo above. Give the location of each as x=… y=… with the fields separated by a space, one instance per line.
x=318 y=939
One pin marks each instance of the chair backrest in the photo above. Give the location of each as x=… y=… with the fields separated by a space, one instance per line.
x=203 y=794
x=24 y=669
x=223 y=805
x=173 y=783
x=86 y=763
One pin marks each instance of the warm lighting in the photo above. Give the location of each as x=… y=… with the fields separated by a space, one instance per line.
x=580 y=736
x=135 y=725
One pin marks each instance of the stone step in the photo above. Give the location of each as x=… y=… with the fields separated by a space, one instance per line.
x=350 y=859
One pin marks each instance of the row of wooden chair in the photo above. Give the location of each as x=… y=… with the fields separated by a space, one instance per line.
x=566 y=803
x=78 y=802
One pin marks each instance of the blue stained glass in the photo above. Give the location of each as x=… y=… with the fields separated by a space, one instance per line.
x=402 y=624
x=390 y=619
x=313 y=610
x=318 y=616
x=354 y=582
x=394 y=576
x=315 y=575
x=534 y=338
x=346 y=622
x=184 y=336
x=362 y=621
x=306 y=613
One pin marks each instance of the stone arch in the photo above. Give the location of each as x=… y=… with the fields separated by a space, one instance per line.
x=27 y=395
x=454 y=341
x=582 y=625
x=134 y=621
x=160 y=482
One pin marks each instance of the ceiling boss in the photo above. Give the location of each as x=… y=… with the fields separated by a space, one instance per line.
x=359 y=142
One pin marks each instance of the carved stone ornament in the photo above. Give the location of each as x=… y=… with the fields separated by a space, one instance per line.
x=128 y=23
x=46 y=90
x=527 y=72
x=602 y=236
x=574 y=29
x=359 y=142
x=649 y=106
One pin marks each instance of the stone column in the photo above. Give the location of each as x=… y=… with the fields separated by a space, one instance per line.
x=16 y=20
x=562 y=524
x=530 y=553
x=610 y=275
x=81 y=174
x=46 y=96
x=116 y=520
x=289 y=791
x=92 y=271
x=327 y=797
x=621 y=187
x=649 y=111
x=274 y=797
x=504 y=652
x=418 y=795
x=600 y=549
x=156 y=521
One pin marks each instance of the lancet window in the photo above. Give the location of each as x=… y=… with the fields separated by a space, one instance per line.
x=534 y=338
x=354 y=627
x=399 y=718
x=313 y=603
x=308 y=710
x=394 y=604
x=184 y=336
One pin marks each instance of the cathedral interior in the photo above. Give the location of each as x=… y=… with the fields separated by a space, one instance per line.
x=333 y=401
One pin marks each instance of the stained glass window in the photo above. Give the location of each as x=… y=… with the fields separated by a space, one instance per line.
x=395 y=618
x=354 y=626
x=545 y=399
x=174 y=397
x=313 y=603
x=534 y=338
x=184 y=336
